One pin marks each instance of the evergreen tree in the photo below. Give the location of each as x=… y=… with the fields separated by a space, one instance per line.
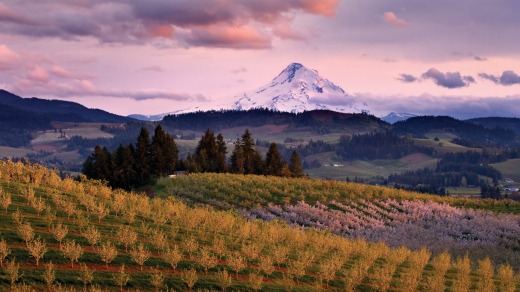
x=221 y=165
x=295 y=165
x=273 y=161
x=248 y=150
x=237 y=158
x=124 y=167
x=206 y=153
x=164 y=153
x=98 y=165
x=258 y=164
x=143 y=157
x=190 y=164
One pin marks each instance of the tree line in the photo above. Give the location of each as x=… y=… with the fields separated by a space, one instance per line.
x=138 y=164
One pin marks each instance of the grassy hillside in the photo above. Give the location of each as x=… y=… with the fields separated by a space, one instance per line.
x=479 y=228
x=509 y=168
x=114 y=240
x=366 y=169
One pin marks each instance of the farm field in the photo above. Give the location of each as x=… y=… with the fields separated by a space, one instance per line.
x=509 y=169
x=464 y=191
x=368 y=212
x=85 y=130
x=367 y=169
x=445 y=146
x=96 y=237
x=6 y=152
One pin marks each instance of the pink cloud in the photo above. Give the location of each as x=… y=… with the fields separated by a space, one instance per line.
x=241 y=23
x=38 y=74
x=236 y=37
x=324 y=7
x=390 y=18
x=60 y=71
x=8 y=58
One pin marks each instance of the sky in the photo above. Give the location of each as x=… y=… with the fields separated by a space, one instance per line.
x=444 y=57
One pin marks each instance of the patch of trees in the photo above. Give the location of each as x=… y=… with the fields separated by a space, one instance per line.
x=491 y=192
x=377 y=145
x=223 y=119
x=138 y=164
x=469 y=134
x=315 y=147
x=130 y=166
x=454 y=170
x=469 y=162
x=320 y=121
x=16 y=126
x=210 y=156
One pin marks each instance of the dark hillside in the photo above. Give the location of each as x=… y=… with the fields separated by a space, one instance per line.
x=58 y=110
x=497 y=122
x=314 y=120
x=469 y=134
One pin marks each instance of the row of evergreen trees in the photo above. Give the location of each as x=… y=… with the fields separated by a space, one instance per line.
x=130 y=166
x=210 y=156
x=136 y=165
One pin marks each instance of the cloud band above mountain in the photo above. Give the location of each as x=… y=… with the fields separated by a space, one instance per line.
x=207 y=23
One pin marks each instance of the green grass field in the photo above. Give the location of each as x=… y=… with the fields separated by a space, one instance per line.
x=442 y=147
x=6 y=152
x=367 y=169
x=509 y=169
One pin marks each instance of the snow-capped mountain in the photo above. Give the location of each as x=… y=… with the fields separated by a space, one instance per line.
x=394 y=117
x=298 y=89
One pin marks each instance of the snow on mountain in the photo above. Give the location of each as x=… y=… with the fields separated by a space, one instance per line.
x=297 y=89
x=394 y=117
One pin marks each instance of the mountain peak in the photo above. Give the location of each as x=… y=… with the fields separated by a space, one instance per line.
x=298 y=89
x=290 y=71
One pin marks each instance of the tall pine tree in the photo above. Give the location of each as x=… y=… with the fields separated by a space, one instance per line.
x=99 y=164
x=124 y=172
x=206 y=153
x=237 y=158
x=249 y=152
x=143 y=157
x=295 y=165
x=273 y=161
x=164 y=153
x=221 y=162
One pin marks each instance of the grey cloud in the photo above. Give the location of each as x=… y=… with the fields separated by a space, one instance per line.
x=239 y=70
x=456 y=106
x=153 y=68
x=478 y=58
x=159 y=22
x=449 y=79
x=407 y=78
x=507 y=78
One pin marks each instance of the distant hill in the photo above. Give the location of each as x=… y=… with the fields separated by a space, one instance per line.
x=21 y=116
x=495 y=122
x=394 y=117
x=468 y=134
x=313 y=120
x=59 y=110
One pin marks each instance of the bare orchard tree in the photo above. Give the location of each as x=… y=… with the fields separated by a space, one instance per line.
x=140 y=254
x=108 y=252
x=37 y=248
x=72 y=251
x=59 y=231
x=5 y=199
